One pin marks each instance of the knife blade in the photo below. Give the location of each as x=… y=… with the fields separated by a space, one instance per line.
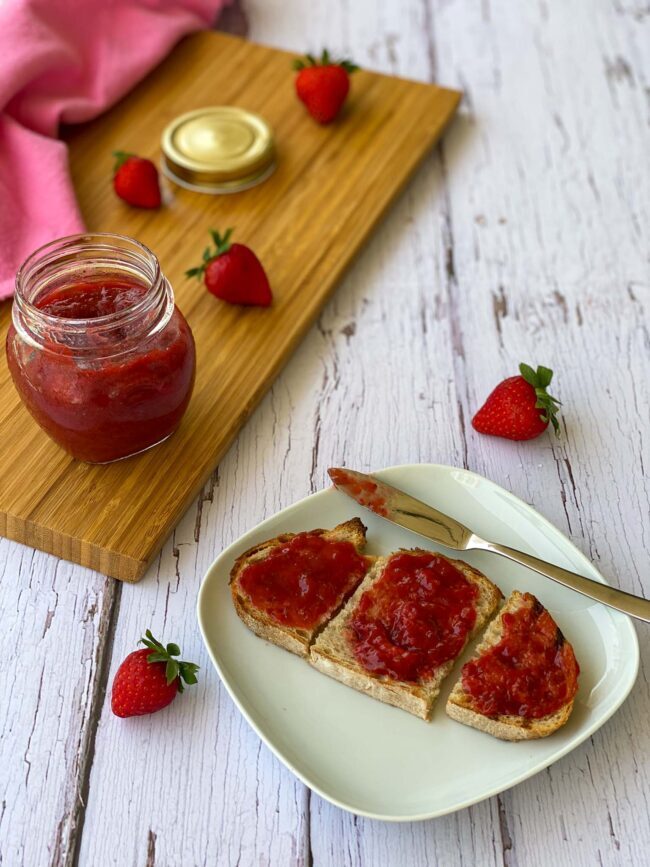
x=401 y=508
x=406 y=511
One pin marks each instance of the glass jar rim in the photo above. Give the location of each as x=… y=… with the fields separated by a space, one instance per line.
x=75 y=259
x=99 y=240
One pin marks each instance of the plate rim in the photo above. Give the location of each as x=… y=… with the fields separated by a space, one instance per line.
x=625 y=621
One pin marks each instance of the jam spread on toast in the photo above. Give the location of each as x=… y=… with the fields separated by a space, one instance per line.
x=532 y=672
x=304 y=580
x=415 y=617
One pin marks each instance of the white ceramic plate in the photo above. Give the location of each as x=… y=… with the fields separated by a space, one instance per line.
x=379 y=761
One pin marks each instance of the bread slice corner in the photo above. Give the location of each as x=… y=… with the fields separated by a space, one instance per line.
x=292 y=638
x=332 y=654
x=506 y=726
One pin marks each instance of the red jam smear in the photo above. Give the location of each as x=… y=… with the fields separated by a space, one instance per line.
x=364 y=491
x=101 y=409
x=532 y=672
x=414 y=618
x=304 y=580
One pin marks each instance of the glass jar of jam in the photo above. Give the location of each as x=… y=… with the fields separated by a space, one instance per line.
x=97 y=349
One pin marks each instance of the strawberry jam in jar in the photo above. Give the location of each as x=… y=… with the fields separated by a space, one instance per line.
x=97 y=349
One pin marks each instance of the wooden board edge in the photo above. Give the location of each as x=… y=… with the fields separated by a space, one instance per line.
x=66 y=547
x=220 y=36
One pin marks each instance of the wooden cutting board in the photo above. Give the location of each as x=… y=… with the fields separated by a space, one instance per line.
x=306 y=223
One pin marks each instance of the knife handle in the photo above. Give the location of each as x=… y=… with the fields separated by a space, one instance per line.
x=635 y=606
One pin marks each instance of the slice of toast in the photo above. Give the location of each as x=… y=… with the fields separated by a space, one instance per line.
x=332 y=652
x=293 y=638
x=507 y=727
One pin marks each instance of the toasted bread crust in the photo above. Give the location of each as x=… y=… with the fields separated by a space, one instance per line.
x=510 y=728
x=291 y=638
x=504 y=726
x=332 y=655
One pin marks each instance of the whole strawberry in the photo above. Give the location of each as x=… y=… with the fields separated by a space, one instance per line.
x=149 y=679
x=323 y=85
x=519 y=408
x=135 y=180
x=233 y=273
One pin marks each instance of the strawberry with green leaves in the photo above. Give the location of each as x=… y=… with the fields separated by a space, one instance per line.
x=323 y=84
x=135 y=180
x=233 y=273
x=149 y=679
x=519 y=408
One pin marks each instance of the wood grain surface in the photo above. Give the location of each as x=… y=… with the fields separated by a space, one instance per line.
x=523 y=237
x=306 y=223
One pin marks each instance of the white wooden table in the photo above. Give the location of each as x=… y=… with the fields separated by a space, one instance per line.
x=523 y=237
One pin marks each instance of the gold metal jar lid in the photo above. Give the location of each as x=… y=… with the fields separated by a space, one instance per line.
x=218 y=149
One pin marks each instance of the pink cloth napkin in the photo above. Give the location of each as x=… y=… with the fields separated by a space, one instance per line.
x=67 y=61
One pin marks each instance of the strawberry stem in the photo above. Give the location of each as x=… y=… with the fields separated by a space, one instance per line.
x=540 y=379
x=175 y=669
x=324 y=60
x=221 y=244
x=120 y=158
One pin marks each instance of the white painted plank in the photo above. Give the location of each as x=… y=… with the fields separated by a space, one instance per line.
x=52 y=637
x=550 y=202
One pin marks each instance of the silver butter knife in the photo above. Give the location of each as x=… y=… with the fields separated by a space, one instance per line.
x=402 y=509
